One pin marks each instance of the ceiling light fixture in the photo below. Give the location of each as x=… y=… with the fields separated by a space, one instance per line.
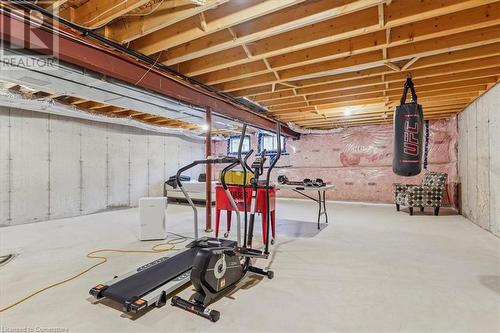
x=348 y=111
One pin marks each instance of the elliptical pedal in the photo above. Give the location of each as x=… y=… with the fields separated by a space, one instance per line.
x=250 y=253
x=196 y=308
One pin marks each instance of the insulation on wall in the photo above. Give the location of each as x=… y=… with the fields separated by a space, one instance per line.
x=55 y=166
x=358 y=160
x=479 y=160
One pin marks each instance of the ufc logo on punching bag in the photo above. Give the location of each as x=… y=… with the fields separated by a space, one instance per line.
x=408 y=125
x=411 y=139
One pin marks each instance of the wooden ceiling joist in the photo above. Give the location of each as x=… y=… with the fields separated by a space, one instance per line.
x=222 y=17
x=394 y=83
x=94 y=14
x=445 y=63
x=278 y=23
x=166 y=14
x=367 y=100
x=392 y=89
x=382 y=113
x=54 y=5
x=387 y=116
x=379 y=97
x=339 y=45
x=383 y=116
x=307 y=60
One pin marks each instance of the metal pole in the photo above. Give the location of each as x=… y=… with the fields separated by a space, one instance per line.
x=208 y=171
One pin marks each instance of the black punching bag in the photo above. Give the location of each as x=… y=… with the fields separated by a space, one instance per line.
x=408 y=129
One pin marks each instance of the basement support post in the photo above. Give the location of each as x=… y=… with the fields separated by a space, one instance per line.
x=208 y=171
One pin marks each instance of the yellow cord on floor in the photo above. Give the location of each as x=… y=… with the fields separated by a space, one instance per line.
x=91 y=255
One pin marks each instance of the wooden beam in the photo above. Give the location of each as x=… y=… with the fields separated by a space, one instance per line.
x=220 y=18
x=463 y=56
x=426 y=48
x=96 y=13
x=203 y=22
x=376 y=115
x=392 y=66
x=56 y=5
x=341 y=112
x=393 y=81
x=381 y=16
x=306 y=17
x=374 y=100
x=470 y=91
x=220 y=72
x=309 y=34
x=236 y=61
x=371 y=108
x=409 y=63
x=350 y=64
x=278 y=50
x=167 y=14
x=403 y=11
x=394 y=90
x=377 y=119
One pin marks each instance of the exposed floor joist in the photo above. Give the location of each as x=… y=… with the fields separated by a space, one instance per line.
x=309 y=59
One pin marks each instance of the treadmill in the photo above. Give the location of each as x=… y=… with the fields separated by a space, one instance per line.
x=152 y=283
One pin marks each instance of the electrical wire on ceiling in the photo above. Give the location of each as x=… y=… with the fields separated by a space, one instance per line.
x=104 y=12
x=153 y=9
x=149 y=69
x=139 y=56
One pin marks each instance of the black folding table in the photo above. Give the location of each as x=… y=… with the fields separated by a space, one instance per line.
x=320 y=200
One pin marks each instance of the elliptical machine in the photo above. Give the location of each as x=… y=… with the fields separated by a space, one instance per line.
x=217 y=270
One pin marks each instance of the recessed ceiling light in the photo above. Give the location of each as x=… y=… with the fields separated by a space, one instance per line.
x=348 y=111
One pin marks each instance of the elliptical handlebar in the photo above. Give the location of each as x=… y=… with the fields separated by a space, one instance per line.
x=214 y=160
x=223 y=174
x=278 y=150
x=210 y=160
x=245 y=165
x=268 y=180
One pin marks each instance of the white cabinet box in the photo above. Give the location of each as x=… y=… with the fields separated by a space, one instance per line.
x=152 y=218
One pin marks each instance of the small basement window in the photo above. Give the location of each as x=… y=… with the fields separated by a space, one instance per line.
x=234 y=142
x=267 y=141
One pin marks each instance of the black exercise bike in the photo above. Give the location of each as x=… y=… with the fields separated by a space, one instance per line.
x=218 y=269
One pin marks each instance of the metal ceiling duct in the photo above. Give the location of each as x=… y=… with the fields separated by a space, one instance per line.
x=13 y=100
x=66 y=79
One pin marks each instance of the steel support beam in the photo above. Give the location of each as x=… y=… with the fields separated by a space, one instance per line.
x=208 y=171
x=75 y=49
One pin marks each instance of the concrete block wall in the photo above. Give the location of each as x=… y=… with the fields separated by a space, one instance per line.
x=54 y=167
x=479 y=160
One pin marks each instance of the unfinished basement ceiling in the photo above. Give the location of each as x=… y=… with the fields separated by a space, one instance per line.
x=316 y=63
x=81 y=91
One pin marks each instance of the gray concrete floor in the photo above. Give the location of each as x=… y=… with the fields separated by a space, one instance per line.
x=371 y=270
